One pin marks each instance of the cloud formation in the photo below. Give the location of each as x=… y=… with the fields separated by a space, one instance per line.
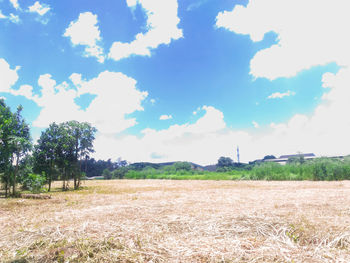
x=15 y=4
x=116 y=96
x=165 y=117
x=8 y=76
x=279 y=95
x=40 y=9
x=162 y=24
x=307 y=36
x=85 y=31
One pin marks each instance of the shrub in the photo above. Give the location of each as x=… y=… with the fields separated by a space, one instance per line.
x=33 y=182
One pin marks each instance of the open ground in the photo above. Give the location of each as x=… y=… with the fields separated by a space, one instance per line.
x=181 y=221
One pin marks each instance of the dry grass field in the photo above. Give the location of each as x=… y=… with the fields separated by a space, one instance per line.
x=181 y=221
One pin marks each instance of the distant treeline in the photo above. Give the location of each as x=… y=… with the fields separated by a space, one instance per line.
x=296 y=169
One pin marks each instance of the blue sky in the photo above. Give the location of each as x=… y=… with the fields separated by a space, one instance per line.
x=182 y=80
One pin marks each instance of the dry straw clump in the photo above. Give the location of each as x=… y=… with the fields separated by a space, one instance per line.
x=181 y=221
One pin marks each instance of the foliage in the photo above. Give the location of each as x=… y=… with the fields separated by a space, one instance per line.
x=61 y=150
x=33 y=183
x=107 y=174
x=224 y=162
x=317 y=169
x=15 y=143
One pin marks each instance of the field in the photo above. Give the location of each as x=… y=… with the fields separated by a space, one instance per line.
x=181 y=221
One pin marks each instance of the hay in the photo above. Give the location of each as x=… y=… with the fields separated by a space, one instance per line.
x=181 y=221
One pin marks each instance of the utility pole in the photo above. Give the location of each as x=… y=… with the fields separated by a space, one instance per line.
x=238 y=154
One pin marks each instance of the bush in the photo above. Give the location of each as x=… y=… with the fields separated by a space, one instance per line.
x=33 y=182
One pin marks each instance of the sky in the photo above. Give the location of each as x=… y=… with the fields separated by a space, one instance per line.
x=183 y=80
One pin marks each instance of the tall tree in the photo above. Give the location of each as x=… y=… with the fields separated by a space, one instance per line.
x=64 y=146
x=46 y=152
x=15 y=142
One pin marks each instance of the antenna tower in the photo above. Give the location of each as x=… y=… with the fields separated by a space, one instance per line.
x=238 y=154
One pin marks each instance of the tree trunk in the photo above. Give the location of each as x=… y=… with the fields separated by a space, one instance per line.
x=49 y=183
x=6 y=185
x=64 y=179
x=14 y=177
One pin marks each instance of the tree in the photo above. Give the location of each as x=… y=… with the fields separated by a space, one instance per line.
x=63 y=147
x=107 y=174
x=269 y=157
x=182 y=166
x=225 y=162
x=15 y=143
x=82 y=136
x=46 y=153
x=20 y=142
x=6 y=130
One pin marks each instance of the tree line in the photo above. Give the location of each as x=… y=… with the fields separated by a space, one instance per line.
x=59 y=153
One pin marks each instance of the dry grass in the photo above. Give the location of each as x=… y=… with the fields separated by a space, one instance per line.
x=181 y=221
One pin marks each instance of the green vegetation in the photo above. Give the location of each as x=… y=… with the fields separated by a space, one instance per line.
x=15 y=143
x=317 y=169
x=58 y=155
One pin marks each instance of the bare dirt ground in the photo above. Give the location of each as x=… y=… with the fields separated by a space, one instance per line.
x=181 y=221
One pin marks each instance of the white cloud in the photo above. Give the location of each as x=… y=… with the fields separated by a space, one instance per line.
x=8 y=76
x=162 y=25
x=317 y=37
x=165 y=117
x=196 y=111
x=309 y=33
x=116 y=97
x=279 y=95
x=85 y=32
x=24 y=90
x=202 y=141
x=40 y=9
x=14 y=18
x=131 y=3
x=15 y=4
x=153 y=101
x=255 y=124
x=2 y=16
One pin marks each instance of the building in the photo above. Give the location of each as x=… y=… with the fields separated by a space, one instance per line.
x=284 y=158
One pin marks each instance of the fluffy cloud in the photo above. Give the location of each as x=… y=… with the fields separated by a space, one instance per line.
x=2 y=16
x=13 y=18
x=84 y=31
x=15 y=4
x=165 y=117
x=40 y=9
x=8 y=76
x=279 y=95
x=318 y=36
x=202 y=141
x=162 y=24
x=116 y=96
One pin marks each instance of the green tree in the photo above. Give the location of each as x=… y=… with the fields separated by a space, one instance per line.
x=107 y=174
x=80 y=137
x=46 y=153
x=15 y=143
x=224 y=163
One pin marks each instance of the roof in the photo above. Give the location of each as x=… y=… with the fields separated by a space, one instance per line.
x=297 y=155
